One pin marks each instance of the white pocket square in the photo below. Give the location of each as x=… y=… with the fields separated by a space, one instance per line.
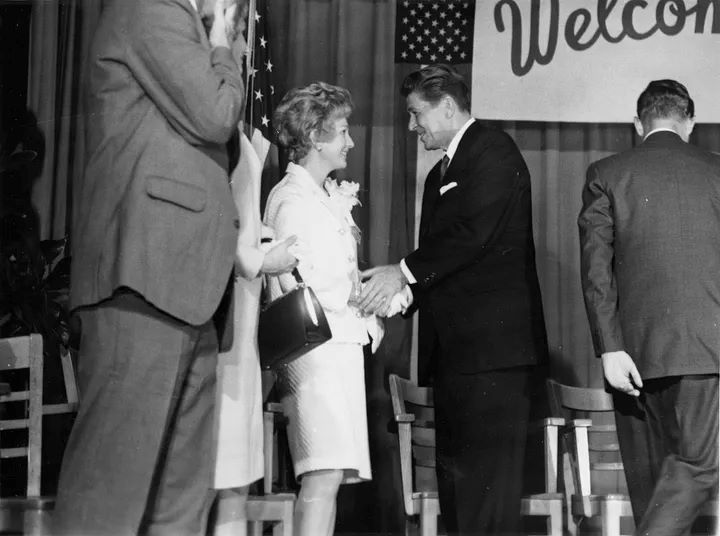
x=449 y=186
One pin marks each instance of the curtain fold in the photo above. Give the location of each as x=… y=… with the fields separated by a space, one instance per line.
x=60 y=34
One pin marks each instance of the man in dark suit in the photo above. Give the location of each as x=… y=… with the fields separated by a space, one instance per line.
x=154 y=237
x=474 y=281
x=649 y=231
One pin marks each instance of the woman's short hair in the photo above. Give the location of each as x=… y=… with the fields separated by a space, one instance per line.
x=665 y=99
x=434 y=82
x=306 y=109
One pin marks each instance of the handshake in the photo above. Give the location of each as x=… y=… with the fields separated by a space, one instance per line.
x=385 y=291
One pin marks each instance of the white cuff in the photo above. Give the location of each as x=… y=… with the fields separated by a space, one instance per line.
x=407 y=273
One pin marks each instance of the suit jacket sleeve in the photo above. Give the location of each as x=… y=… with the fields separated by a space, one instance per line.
x=597 y=232
x=489 y=191
x=198 y=90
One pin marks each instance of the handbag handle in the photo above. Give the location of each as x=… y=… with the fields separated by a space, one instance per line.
x=295 y=272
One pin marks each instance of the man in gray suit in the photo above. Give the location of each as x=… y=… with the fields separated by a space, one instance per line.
x=650 y=246
x=154 y=237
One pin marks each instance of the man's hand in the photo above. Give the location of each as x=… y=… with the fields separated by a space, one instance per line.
x=621 y=373
x=279 y=259
x=222 y=31
x=381 y=284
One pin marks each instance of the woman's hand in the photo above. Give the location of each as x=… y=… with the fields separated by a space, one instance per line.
x=279 y=259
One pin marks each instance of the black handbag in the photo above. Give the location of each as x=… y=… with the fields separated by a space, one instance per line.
x=291 y=326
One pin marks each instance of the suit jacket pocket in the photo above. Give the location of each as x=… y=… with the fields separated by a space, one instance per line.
x=178 y=193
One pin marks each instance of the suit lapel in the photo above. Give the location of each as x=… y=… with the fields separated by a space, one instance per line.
x=454 y=172
x=316 y=193
x=431 y=194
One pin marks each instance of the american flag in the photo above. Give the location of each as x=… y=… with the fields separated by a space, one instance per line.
x=434 y=31
x=260 y=88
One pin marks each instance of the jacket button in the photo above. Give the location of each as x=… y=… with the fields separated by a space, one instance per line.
x=236 y=223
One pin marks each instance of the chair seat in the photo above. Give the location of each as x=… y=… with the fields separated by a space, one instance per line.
x=540 y=503
x=273 y=507
x=277 y=508
x=25 y=515
x=425 y=495
x=27 y=503
x=591 y=505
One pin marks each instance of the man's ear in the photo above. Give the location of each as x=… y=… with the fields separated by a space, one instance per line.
x=639 y=127
x=689 y=125
x=450 y=106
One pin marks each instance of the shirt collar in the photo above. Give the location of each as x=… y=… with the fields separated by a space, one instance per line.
x=452 y=147
x=661 y=129
x=304 y=177
x=193 y=3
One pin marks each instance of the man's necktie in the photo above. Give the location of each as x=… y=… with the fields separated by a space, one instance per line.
x=443 y=167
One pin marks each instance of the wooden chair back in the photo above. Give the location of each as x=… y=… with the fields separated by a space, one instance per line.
x=596 y=484
x=72 y=396
x=599 y=468
x=415 y=415
x=19 y=353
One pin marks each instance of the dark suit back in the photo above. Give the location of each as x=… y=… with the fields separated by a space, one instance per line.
x=153 y=211
x=479 y=297
x=653 y=214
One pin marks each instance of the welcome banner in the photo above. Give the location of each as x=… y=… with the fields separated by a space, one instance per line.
x=588 y=60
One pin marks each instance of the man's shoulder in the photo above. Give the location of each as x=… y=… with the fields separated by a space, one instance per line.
x=150 y=15
x=644 y=155
x=482 y=136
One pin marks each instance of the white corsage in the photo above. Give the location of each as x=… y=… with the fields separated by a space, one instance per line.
x=343 y=197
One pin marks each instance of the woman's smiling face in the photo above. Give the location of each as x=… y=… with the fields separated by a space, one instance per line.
x=334 y=150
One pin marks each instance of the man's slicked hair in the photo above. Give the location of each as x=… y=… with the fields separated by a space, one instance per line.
x=665 y=99
x=434 y=82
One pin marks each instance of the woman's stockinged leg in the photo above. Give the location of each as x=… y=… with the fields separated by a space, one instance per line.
x=315 y=506
x=231 y=517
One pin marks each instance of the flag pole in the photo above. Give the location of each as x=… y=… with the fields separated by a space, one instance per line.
x=249 y=62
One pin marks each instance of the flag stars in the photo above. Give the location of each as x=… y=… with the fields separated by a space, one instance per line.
x=263 y=42
x=258 y=95
x=257 y=17
x=268 y=66
x=431 y=31
x=265 y=121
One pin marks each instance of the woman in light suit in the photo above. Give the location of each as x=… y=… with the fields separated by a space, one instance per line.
x=323 y=392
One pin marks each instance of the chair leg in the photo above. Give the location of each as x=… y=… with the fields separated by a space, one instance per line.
x=256 y=528
x=35 y=522
x=428 y=521
x=610 y=513
x=555 y=519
